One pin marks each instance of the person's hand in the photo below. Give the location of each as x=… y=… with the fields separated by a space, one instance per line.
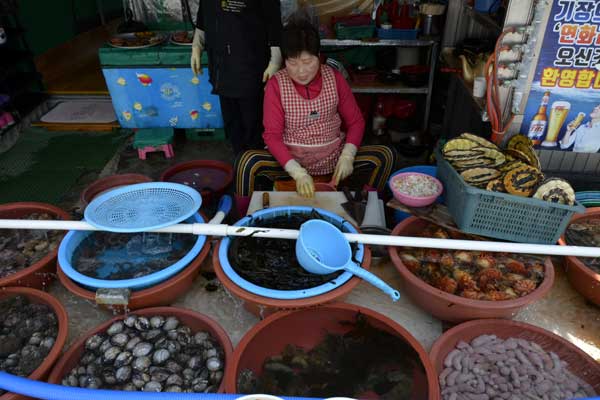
x=304 y=182
x=274 y=64
x=305 y=186
x=345 y=164
x=197 y=47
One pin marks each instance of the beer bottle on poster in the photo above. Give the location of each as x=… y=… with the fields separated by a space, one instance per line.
x=539 y=121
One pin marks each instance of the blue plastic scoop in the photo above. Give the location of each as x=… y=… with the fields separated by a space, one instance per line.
x=322 y=249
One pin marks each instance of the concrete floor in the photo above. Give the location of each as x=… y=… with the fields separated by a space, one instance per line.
x=563 y=311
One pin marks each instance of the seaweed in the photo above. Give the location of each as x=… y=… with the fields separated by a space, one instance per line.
x=272 y=263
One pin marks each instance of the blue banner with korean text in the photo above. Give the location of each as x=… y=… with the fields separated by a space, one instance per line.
x=563 y=110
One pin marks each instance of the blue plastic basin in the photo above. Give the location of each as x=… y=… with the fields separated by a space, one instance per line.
x=72 y=240
x=287 y=294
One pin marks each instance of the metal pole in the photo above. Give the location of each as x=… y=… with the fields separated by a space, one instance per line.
x=432 y=61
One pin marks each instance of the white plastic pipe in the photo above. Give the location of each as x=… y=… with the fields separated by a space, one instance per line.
x=380 y=240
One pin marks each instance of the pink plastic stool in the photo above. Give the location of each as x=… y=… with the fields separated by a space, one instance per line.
x=165 y=148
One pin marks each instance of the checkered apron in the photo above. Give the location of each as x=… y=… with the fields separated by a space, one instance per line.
x=312 y=127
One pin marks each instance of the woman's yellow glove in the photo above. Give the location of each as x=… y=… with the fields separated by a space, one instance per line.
x=304 y=182
x=197 y=47
x=274 y=64
x=345 y=164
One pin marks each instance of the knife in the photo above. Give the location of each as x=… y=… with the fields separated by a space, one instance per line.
x=354 y=208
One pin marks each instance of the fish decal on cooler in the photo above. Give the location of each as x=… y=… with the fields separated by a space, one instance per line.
x=194 y=114
x=207 y=106
x=127 y=115
x=121 y=81
x=173 y=121
x=137 y=106
x=144 y=79
x=170 y=92
x=151 y=112
x=195 y=81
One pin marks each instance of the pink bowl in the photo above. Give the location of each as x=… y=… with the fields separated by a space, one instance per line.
x=413 y=201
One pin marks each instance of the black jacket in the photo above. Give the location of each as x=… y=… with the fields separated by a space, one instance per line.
x=238 y=34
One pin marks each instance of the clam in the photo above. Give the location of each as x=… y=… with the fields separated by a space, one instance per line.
x=115 y=328
x=111 y=355
x=120 y=339
x=141 y=363
x=161 y=356
x=129 y=321
x=123 y=359
x=157 y=321
x=142 y=349
x=214 y=364
x=195 y=362
x=171 y=323
x=199 y=385
x=123 y=374
x=174 y=379
x=94 y=342
x=142 y=324
x=153 y=386
x=133 y=342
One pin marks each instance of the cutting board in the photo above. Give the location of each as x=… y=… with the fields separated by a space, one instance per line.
x=330 y=201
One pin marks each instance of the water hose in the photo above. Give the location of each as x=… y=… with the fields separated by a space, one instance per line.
x=48 y=391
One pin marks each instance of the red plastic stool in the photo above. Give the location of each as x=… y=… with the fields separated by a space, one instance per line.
x=165 y=148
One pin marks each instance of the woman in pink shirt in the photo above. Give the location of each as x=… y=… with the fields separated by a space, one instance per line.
x=313 y=126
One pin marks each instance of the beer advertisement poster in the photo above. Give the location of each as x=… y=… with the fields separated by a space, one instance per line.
x=563 y=110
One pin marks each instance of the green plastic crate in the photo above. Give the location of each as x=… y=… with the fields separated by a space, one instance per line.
x=200 y=135
x=344 y=32
x=501 y=215
x=152 y=137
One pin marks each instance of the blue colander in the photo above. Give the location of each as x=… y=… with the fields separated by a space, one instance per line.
x=143 y=207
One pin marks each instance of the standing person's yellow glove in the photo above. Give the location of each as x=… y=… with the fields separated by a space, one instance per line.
x=274 y=64
x=197 y=48
x=304 y=182
x=345 y=164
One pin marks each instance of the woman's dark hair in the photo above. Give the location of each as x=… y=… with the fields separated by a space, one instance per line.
x=300 y=35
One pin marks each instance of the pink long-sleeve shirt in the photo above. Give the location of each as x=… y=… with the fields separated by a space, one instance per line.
x=274 y=116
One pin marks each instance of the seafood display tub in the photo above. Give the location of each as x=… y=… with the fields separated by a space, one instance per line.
x=209 y=177
x=41 y=272
x=542 y=353
x=453 y=308
x=153 y=341
x=306 y=329
x=581 y=276
x=35 y=297
x=110 y=182
x=162 y=294
x=128 y=252
x=262 y=301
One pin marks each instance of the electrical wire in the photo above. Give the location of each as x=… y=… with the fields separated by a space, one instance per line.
x=494 y=109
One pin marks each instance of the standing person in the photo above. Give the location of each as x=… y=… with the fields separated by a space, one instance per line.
x=242 y=39
x=313 y=126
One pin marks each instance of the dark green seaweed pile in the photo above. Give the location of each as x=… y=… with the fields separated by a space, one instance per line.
x=358 y=364
x=272 y=263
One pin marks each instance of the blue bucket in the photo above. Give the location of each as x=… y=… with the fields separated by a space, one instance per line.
x=72 y=240
x=288 y=294
x=430 y=170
